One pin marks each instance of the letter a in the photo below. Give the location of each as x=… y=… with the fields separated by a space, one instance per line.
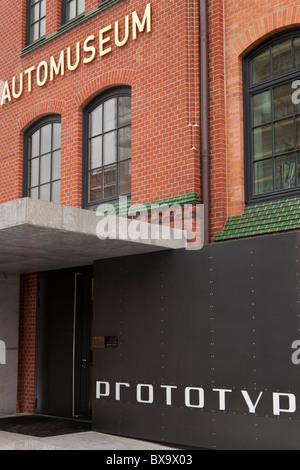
x=6 y=93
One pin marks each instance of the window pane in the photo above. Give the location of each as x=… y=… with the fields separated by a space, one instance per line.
x=95 y=185
x=124 y=110
x=262 y=142
x=71 y=10
x=34 y=193
x=43 y=8
x=35 y=13
x=284 y=136
x=110 y=147
x=96 y=152
x=55 y=197
x=46 y=139
x=96 y=121
x=285 y=172
x=261 y=68
x=80 y=7
x=263 y=176
x=56 y=165
x=45 y=168
x=34 y=32
x=110 y=181
x=45 y=192
x=34 y=172
x=283 y=105
x=110 y=114
x=56 y=138
x=282 y=57
x=297 y=52
x=125 y=143
x=261 y=108
x=35 y=144
x=42 y=27
x=124 y=177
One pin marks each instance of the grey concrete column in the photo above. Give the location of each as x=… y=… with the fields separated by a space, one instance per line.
x=9 y=331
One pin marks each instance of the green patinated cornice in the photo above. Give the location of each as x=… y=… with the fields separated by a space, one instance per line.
x=122 y=209
x=261 y=219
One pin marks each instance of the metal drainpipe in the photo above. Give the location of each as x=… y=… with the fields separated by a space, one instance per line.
x=204 y=116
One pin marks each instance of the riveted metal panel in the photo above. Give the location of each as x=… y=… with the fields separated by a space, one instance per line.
x=207 y=337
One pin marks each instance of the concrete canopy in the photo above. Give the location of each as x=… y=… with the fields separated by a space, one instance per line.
x=39 y=236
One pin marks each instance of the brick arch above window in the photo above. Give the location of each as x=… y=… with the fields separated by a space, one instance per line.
x=111 y=79
x=38 y=111
x=238 y=44
x=265 y=27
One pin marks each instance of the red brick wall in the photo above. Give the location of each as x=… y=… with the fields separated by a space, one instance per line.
x=161 y=67
x=245 y=25
x=27 y=338
x=165 y=156
x=217 y=117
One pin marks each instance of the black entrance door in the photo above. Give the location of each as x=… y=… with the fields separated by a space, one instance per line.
x=63 y=343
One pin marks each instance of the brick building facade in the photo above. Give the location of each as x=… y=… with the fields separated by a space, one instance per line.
x=165 y=143
x=56 y=63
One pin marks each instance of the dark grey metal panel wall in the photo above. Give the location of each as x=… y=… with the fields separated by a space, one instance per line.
x=223 y=317
x=256 y=319
x=149 y=303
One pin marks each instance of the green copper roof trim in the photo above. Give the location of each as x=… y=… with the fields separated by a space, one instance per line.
x=68 y=26
x=261 y=219
x=122 y=209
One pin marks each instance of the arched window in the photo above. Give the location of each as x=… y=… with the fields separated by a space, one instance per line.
x=107 y=147
x=272 y=119
x=42 y=160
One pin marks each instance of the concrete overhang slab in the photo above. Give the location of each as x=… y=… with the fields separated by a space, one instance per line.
x=39 y=236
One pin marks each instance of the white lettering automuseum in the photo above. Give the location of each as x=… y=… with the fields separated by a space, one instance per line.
x=194 y=397
x=2 y=353
x=83 y=52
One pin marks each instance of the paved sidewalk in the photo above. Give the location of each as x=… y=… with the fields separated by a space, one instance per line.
x=76 y=441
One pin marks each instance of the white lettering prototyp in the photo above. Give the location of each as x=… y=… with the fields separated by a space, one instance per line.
x=194 y=397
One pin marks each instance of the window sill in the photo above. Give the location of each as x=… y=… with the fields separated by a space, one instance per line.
x=34 y=44
x=113 y=202
x=67 y=23
x=273 y=197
